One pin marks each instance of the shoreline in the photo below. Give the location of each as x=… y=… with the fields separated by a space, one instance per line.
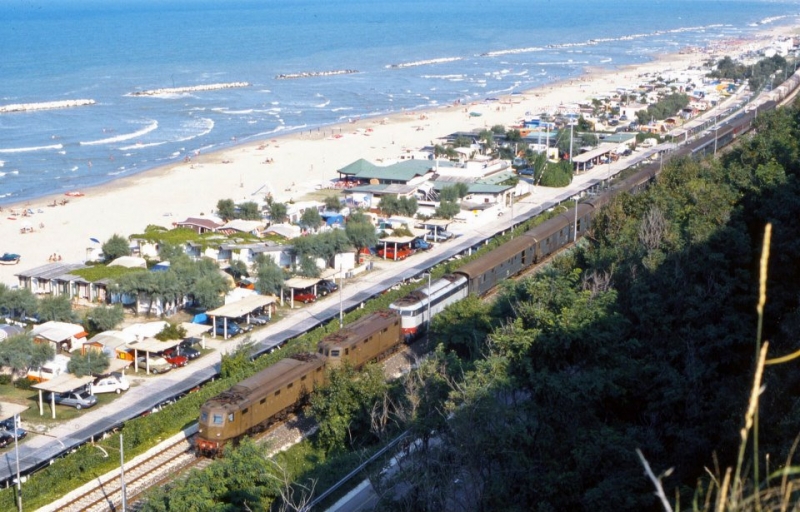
x=290 y=165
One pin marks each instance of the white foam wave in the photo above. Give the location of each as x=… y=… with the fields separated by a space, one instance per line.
x=32 y=148
x=424 y=62
x=445 y=77
x=341 y=109
x=324 y=104
x=591 y=42
x=141 y=145
x=120 y=138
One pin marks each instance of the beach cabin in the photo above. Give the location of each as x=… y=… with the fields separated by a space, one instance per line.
x=63 y=336
x=198 y=225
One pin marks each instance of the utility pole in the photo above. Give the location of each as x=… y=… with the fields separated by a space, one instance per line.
x=122 y=474
x=341 y=303
x=16 y=456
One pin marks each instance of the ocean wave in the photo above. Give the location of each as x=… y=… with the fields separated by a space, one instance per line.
x=120 y=138
x=424 y=62
x=341 y=109
x=32 y=148
x=445 y=77
x=45 y=105
x=142 y=145
x=323 y=104
x=591 y=42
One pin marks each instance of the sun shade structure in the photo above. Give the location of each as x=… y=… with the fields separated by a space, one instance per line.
x=64 y=383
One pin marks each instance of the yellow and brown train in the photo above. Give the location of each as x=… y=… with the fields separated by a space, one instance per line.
x=258 y=401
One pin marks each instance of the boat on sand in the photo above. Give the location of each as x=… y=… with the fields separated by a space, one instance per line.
x=9 y=259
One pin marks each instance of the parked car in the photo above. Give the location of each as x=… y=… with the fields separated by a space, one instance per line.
x=233 y=328
x=528 y=171
x=5 y=439
x=8 y=426
x=420 y=244
x=259 y=319
x=114 y=383
x=174 y=358
x=325 y=287
x=157 y=364
x=76 y=399
x=305 y=296
x=186 y=349
x=438 y=236
x=389 y=253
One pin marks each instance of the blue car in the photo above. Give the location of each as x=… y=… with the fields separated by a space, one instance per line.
x=233 y=328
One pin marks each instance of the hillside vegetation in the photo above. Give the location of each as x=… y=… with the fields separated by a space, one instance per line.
x=643 y=338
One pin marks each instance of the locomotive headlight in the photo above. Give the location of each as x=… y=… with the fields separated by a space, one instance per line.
x=217 y=434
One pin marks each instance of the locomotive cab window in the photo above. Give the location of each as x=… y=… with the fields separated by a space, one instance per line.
x=346 y=351
x=203 y=416
x=321 y=350
x=335 y=353
x=218 y=420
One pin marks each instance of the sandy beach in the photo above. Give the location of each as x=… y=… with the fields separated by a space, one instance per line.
x=289 y=167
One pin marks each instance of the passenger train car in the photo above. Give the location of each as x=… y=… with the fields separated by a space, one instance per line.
x=417 y=308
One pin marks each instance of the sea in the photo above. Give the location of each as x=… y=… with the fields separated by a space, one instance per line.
x=151 y=79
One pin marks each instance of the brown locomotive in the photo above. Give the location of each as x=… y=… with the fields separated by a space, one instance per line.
x=269 y=395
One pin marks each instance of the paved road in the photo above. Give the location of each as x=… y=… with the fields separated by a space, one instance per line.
x=38 y=450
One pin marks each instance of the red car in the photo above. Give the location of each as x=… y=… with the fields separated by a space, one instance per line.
x=402 y=253
x=305 y=296
x=174 y=358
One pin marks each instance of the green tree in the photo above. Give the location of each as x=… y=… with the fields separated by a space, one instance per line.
x=93 y=362
x=22 y=302
x=249 y=211
x=308 y=266
x=270 y=276
x=278 y=212
x=171 y=331
x=19 y=353
x=168 y=251
x=342 y=407
x=408 y=206
x=57 y=308
x=226 y=209
x=361 y=234
x=104 y=318
x=236 y=364
x=389 y=205
x=464 y=327
x=448 y=209
x=115 y=247
x=238 y=269
x=311 y=219
x=332 y=203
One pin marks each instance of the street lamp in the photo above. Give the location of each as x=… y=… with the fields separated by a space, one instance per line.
x=16 y=456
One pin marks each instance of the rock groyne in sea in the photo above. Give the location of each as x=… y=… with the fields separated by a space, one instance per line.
x=310 y=74
x=45 y=105
x=191 y=88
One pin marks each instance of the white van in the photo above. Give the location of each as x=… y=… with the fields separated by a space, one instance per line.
x=114 y=383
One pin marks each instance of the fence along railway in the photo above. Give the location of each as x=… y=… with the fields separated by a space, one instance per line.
x=481 y=274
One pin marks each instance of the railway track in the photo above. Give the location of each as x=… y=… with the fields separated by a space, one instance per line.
x=176 y=458
x=106 y=493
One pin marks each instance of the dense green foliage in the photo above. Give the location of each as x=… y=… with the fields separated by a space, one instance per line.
x=311 y=219
x=393 y=205
x=57 y=308
x=93 y=362
x=758 y=74
x=19 y=354
x=667 y=106
x=103 y=318
x=171 y=331
x=270 y=275
x=115 y=247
